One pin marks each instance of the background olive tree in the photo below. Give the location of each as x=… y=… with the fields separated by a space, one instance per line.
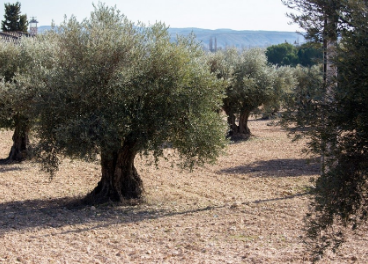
x=303 y=111
x=16 y=96
x=251 y=83
x=284 y=84
x=118 y=89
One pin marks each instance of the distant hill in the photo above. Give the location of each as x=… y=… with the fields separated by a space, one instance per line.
x=231 y=38
x=239 y=39
x=42 y=29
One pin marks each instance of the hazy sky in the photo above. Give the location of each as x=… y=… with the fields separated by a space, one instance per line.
x=208 y=14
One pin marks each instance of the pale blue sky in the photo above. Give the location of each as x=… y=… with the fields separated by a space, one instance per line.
x=208 y=14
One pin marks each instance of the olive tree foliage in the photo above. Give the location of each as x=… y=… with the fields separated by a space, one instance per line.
x=8 y=52
x=284 y=84
x=338 y=122
x=15 y=95
x=118 y=90
x=302 y=104
x=251 y=82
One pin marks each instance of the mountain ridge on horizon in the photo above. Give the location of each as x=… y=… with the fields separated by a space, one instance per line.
x=236 y=30
x=223 y=37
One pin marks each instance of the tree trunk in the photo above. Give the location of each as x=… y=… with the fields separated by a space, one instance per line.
x=19 y=150
x=244 y=130
x=329 y=73
x=241 y=131
x=120 y=180
x=234 y=129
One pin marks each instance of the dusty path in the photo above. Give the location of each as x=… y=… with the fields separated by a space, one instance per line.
x=247 y=208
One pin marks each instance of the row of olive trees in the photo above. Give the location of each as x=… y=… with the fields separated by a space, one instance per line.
x=108 y=87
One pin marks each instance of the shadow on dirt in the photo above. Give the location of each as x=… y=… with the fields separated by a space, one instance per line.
x=276 y=168
x=4 y=169
x=57 y=213
x=288 y=197
x=69 y=212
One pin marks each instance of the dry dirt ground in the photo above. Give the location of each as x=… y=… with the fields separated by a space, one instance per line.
x=247 y=208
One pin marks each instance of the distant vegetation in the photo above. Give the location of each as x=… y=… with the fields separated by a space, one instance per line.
x=226 y=38
x=284 y=54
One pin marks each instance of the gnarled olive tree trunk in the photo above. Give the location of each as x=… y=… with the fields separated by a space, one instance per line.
x=244 y=130
x=19 y=150
x=241 y=131
x=120 y=180
x=231 y=120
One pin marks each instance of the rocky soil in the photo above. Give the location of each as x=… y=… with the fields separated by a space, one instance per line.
x=246 y=208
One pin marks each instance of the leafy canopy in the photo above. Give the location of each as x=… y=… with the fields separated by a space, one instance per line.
x=249 y=78
x=16 y=95
x=341 y=193
x=113 y=80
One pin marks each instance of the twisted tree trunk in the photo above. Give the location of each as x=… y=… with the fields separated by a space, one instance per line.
x=19 y=150
x=232 y=125
x=120 y=180
x=243 y=124
x=241 y=131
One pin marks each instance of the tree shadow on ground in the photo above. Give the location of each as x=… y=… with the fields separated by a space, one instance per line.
x=288 y=197
x=60 y=212
x=276 y=168
x=4 y=169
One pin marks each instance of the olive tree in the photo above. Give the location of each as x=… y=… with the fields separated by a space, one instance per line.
x=15 y=95
x=303 y=112
x=250 y=83
x=118 y=89
x=12 y=114
x=285 y=81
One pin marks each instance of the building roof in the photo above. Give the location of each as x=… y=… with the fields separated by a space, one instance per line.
x=12 y=36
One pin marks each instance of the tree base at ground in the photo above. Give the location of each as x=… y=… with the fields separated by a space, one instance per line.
x=19 y=151
x=120 y=181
